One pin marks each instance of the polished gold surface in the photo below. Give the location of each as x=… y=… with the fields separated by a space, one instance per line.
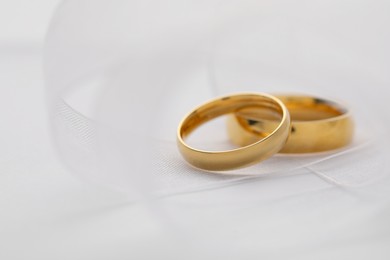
x=249 y=154
x=317 y=125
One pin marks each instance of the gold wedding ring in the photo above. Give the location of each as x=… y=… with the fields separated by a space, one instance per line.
x=317 y=125
x=250 y=153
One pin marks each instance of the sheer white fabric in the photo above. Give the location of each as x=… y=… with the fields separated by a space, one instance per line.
x=121 y=75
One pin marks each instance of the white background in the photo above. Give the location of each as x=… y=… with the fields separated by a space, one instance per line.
x=47 y=213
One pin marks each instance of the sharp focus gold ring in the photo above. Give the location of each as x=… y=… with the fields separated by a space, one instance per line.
x=243 y=156
x=317 y=125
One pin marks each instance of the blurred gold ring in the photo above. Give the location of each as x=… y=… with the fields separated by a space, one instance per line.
x=243 y=156
x=317 y=125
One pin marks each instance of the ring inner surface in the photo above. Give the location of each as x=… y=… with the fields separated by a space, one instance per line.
x=310 y=109
x=300 y=108
x=231 y=105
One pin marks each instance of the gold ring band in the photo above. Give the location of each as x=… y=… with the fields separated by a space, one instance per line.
x=317 y=125
x=243 y=156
